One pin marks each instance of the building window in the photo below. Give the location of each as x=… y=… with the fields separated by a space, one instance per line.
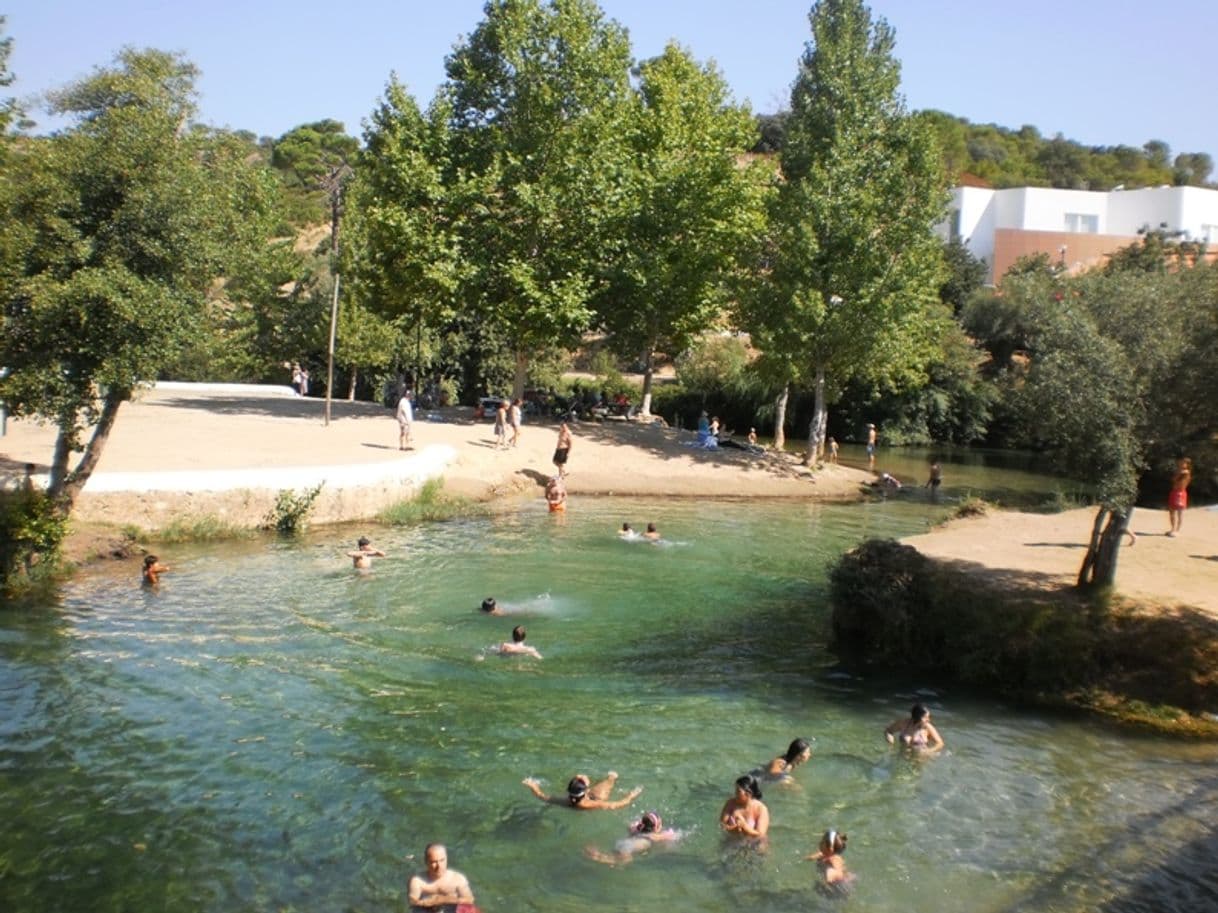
x=1082 y=223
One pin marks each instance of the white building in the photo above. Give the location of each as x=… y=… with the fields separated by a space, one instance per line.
x=1079 y=228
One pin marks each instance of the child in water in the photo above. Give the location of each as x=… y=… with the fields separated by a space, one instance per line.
x=517 y=646
x=828 y=857
x=362 y=557
x=153 y=569
x=644 y=834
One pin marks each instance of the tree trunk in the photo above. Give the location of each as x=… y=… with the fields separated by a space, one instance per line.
x=780 y=417
x=351 y=385
x=74 y=482
x=820 y=419
x=522 y=374
x=648 y=377
x=1100 y=562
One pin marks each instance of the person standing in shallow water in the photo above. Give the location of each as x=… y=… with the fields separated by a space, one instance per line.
x=439 y=887
x=1177 y=498
x=871 y=440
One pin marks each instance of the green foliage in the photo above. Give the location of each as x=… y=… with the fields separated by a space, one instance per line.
x=431 y=504
x=714 y=362
x=965 y=275
x=31 y=531
x=290 y=513
x=894 y=608
x=304 y=157
x=207 y=528
x=854 y=265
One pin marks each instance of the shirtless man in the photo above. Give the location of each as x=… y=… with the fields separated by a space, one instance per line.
x=562 y=449
x=556 y=494
x=441 y=886
x=153 y=569
x=362 y=557
x=582 y=793
x=517 y=646
x=871 y=436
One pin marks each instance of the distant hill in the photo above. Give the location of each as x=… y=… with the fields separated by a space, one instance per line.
x=1003 y=157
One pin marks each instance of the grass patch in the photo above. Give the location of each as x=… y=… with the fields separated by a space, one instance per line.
x=431 y=503
x=207 y=528
x=970 y=506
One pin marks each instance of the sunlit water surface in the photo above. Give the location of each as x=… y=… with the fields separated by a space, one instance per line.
x=273 y=731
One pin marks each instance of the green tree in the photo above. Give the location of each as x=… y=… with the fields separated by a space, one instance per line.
x=965 y=274
x=538 y=96
x=854 y=264
x=690 y=213
x=125 y=220
x=306 y=157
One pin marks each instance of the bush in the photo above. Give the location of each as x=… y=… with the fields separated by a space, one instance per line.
x=431 y=503
x=290 y=514
x=31 y=531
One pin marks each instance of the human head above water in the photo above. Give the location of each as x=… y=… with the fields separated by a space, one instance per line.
x=577 y=788
x=518 y=634
x=626 y=528
x=488 y=604
x=650 y=823
x=651 y=527
x=364 y=542
x=833 y=842
x=918 y=712
x=150 y=560
x=796 y=751
x=750 y=785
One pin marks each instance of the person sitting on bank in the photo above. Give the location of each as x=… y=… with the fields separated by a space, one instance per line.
x=583 y=794
x=439 y=886
x=362 y=557
x=916 y=731
x=516 y=646
x=153 y=569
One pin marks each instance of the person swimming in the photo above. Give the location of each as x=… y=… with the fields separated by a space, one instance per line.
x=916 y=732
x=744 y=813
x=628 y=532
x=153 y=569
x=491 y=607
x=583 y=794
x=797 y=753
x=517 y=645
x=644 y=834
x=652 y=533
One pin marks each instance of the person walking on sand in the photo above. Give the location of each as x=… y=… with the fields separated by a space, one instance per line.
x=440 y=886
x=1177 y=498
x=296 y=377
x=871 y=438
x=514 y=419
x=362 y=557
x=562 y=450
x=405 y=417
x=501 y=425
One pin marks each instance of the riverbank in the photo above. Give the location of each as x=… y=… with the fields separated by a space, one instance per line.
x=990 y=601
x=188 y=452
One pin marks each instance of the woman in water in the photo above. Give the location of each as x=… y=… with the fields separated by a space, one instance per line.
x=915 y=732
x=644 y=833
x=797 y=753
x=744 y=813
x=828 y=859
x=582 y=793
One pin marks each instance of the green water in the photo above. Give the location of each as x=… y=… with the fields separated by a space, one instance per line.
x=272 y=731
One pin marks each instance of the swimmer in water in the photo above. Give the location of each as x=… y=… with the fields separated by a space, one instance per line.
x=744 y=813
x=652 y=533
x=153 y=569
x=583 y=794
x=829 y=860
x=490 y=607
x=797 y=753
x=362 y=557
x=916 y=732
x=644 y=834
x=627 y=531
x=517 y=646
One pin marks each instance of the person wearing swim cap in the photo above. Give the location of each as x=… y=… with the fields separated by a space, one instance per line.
x=828 y=858
x=582 y=793
x=644 y=834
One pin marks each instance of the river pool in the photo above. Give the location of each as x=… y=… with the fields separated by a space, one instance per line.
x=273 y=731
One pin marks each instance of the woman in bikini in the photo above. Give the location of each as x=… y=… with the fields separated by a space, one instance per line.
x=583 y=794
x=781 y=767
x=644 y=834
x=916 y=732
x=744 y=813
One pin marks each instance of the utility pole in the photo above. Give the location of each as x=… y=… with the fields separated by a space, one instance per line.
x=333 y=183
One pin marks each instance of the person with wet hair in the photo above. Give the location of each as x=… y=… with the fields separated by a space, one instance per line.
x=583 y=794
x=828 y=859
x=797 y=753
x=644 y=834
x=439 y=888
x=744 y=813
x=517 y=646
x=365 y=551
x=490 y=606
x=916 y=732
x=652 y=533
x=152 y=570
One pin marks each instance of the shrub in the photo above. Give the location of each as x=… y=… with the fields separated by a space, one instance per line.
x=431 y=503
x=31 y=531
x=290 y=514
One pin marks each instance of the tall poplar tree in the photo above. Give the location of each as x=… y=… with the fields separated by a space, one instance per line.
x=538 y=95
x=853 y=263
x=693 y=210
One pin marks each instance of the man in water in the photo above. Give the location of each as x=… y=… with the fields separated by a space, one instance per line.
x=556 y=494
x=871 y=437
x=441 y=886
x=517 y=646
x=362 y=557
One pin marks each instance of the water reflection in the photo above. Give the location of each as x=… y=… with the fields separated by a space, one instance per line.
x=271 y=731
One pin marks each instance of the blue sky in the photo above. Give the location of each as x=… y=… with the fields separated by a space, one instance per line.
x=1101 y=73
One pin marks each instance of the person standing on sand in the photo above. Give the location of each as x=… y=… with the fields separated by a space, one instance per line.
x=562 y=449
x=871 y=438
x=1177 y=498
x=832 y=444
x=405 y=417
x=440 y=886
x=296 y=378
x=514 y=419
x=501 y=425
